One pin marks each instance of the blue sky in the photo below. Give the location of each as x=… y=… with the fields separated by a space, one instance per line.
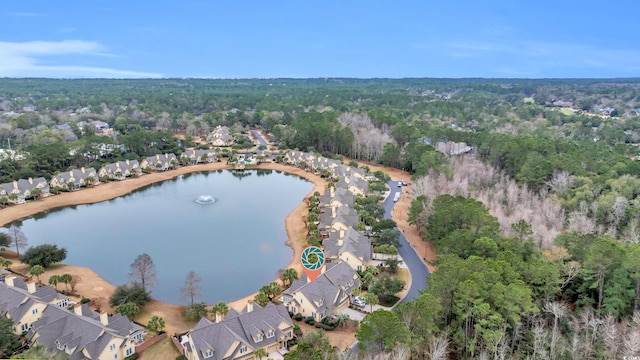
x=301 y=39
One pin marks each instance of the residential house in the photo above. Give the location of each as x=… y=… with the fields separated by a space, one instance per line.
x=220 y=136
x=354 y=184
x=327 y=296
x=76 y=177
x=294 y=157
x=199 y=156
x=338 y=218
x=79 y=337
x=238 y=334
x=333 y=197
x=117 y=322
x=349 y=246
x=120 y=170
x=19 y=306
x=160 y=162
x=47 y=294
x=345 y=171
x=40 y=312
x=24 y=188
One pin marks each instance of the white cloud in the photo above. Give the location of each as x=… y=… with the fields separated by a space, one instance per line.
x=538 y=54
x=25 y=59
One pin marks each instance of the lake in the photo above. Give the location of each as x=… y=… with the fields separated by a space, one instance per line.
x=236 y=244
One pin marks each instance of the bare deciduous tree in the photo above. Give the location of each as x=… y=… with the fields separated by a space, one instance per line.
x=18 y=238
x=505 y=200
x=369 y=141
x=560 y=182
x=143 y=270
x=191 y=289
x=439 y=348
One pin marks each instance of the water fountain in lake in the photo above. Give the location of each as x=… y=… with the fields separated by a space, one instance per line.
x=205 y=200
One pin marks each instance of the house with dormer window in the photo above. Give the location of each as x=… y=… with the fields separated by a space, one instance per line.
x=238 y=334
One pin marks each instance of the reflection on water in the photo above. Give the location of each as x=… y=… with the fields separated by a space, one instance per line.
x=236 y=244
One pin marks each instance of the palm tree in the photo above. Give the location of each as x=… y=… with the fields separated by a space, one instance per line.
x=260 y=353
x=342 y=320
x=370 y=299
x=156 y=324
x=37 y=270
x=36 y=193
x=53 y=280
x=221 y=307
x=289 y=275
x=66 y=279
x=6 y=263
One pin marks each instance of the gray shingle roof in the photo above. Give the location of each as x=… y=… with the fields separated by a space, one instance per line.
x=330 y=288
x=239 y=327
x=353 y=241
x=61 y=328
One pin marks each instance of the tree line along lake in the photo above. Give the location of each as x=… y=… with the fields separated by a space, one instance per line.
x=235 y=243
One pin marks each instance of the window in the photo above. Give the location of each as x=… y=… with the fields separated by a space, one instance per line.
x=58 y=345
x=289 y=334
x=115 y=356
x=24 y=327
x=129 y=351
x=243 y=350
x=112 y=347
x=208 y=353
x=259 y=338
x=34 y=311
x=271 y=333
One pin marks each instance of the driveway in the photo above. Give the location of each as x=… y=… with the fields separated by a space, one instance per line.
x=256 y=135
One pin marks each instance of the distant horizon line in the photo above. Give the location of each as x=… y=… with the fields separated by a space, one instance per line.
x=636 y=78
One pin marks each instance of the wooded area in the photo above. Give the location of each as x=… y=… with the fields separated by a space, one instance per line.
x=535 y=218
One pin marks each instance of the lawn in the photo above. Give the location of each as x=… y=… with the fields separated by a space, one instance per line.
x=163 y=350
x=566 y=111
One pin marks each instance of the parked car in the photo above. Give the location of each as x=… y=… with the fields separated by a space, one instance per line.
x=356 y=301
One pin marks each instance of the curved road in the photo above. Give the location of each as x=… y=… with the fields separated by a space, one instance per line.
x=417 y=268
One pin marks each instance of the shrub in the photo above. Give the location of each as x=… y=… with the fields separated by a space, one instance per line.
x=310 y=320
x=322 y=326
x=133 y=356
x=182 y=357
x=298 y=317
x=85 y=300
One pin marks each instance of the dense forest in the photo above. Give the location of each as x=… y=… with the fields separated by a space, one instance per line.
x=536 y=222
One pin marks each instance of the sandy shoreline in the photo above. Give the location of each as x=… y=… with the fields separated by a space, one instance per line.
x=93 y=286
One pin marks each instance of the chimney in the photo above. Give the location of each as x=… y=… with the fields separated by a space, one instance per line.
x=332 y=191
x=341 y=238
x=127 y=161
x=30 y=180
x=104 y=318
x=9 y=281
x=77 y=309
x=333 y=211
x=218 y=317
x=249 y=305
x=31 y=287
x=82 y=169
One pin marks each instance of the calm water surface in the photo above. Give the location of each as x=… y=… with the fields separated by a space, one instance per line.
x=235 y=245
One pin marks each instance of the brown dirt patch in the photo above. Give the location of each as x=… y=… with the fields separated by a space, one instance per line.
x=342 y=338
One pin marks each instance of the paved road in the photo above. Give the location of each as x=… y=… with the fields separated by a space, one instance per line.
x=256 y=135
x=417 y=268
